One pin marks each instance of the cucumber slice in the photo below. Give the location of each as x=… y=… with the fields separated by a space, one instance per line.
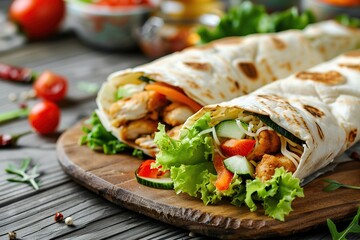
x=239 y=165
x=162 y=183
x=229 y=129
x=280 y=130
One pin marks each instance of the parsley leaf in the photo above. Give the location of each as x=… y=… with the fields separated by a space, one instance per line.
x=25 y=175
x=333 y=185
x=353 y=227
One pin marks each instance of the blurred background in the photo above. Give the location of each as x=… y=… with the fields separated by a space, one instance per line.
x=159 y=27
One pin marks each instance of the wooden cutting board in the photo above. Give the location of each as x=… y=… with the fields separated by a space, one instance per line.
x=112 y=177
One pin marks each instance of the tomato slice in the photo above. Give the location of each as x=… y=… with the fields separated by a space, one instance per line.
x=224 y=176
x=174 y=95
x=145 y=170
x=240 y=147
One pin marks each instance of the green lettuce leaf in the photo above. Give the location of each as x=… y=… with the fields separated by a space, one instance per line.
x=276 y=194
x=97 y=138
x=248 y=18
x=198 y=181
x=191 y=148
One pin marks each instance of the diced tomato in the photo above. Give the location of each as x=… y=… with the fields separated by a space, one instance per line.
x=240 y=147
x=224 y=176
x=145 y=170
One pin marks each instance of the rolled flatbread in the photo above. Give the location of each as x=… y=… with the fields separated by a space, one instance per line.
x=260 y=146
x=213 y=73
x=319 y=107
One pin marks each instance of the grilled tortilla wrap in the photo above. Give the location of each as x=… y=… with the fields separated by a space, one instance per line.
x=213 y=73
x=319 y=107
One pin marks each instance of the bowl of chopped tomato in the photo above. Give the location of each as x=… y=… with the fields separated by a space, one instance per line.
x=327 y=9
x=108 y=24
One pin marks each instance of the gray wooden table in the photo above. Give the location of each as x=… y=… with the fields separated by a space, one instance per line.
x=31 y=213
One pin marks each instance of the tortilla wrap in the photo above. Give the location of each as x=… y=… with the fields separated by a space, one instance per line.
x=319 y=106
x=230 y=67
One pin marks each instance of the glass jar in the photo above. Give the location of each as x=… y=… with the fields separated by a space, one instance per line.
x=174 y=25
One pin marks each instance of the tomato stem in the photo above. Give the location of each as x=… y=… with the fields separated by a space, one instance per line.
x=8 y=116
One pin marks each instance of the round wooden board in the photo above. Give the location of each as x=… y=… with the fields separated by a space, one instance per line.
x=112 y=177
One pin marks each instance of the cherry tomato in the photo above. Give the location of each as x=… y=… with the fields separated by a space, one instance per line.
x=38 y=19
x=50 y=86
x=44 y=117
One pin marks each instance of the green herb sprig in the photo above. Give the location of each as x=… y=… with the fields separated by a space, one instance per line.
x=25 y=175
x=353 y=227
x=333 y=185
x=99 y=139
x=11 y=115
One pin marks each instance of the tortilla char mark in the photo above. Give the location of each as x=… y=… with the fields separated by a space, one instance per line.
x=248 y=69
x=352 y=54
x=330 y=77
x=352 y=135
x=320 y=132
x=314 y=111
x=192 y=84
x=274 y=98
x=279 y=44
x=235 y=86
x=351 y=66
x=199 y=66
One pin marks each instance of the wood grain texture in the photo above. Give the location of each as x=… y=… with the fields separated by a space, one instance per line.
x=113 y=178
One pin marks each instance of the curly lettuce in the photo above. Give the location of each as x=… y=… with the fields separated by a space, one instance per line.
x=276 y=194
x=191 y=148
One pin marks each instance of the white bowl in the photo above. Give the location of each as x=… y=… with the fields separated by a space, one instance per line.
x=105 y=27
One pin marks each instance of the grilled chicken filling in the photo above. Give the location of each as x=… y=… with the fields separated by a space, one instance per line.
x=138 y=115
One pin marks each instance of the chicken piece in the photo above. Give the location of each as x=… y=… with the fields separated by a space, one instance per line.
x=268 y=142
x=174 y=132
x=137 y=128
x=135 y=107
x=146 y=142
x=266 y=168
x=177 y=113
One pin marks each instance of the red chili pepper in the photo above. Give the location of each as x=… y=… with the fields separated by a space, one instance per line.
x=16 y=74
x=9 y=140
